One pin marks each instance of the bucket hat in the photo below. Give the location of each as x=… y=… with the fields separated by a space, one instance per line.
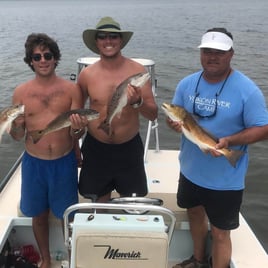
x=106 y=24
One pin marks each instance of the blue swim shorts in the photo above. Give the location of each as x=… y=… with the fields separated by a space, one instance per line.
x=48 y=184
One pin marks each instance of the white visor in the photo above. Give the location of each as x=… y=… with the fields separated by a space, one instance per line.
x=216 y=40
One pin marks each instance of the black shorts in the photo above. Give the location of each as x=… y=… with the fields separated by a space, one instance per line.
x=108 y=167
x=222 y=207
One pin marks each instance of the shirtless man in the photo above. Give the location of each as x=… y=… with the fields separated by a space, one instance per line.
x=49 y=168
x=116 y=161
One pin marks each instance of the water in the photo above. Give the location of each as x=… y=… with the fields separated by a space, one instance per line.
x=167 y=31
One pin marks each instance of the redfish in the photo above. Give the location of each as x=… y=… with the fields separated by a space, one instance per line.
x=119 y=99
x=7 y=115
x=198 y=135
x=62 y=121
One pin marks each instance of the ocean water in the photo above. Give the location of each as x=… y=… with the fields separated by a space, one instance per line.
x=166 y=31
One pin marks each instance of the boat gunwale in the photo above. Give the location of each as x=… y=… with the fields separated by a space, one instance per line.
x=10 y=173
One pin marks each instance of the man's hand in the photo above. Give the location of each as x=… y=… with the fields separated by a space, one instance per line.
x=175 y=125
x=133 y=94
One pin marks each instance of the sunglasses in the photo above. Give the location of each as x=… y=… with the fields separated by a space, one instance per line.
x=103 y=36
x=212 y=110
x=38 y=56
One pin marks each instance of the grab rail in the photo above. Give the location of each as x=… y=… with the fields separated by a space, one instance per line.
x=126 y=207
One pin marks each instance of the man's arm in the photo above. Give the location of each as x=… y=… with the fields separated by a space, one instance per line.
x=246 y=136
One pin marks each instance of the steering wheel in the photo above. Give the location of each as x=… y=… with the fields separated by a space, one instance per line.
x=139 y=201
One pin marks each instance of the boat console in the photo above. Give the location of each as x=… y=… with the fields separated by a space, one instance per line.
x=117 y=239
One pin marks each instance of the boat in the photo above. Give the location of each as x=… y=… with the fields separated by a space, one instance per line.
x=151 y=231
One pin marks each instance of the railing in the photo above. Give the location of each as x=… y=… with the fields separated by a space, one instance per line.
x=127 y=207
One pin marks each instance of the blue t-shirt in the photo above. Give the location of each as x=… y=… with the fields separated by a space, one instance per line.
x=240 y=105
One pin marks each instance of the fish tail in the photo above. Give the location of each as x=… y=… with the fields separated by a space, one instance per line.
x=106 y=127
x=1 y=136
x=36 y=135
x=3 y=127
x=234 y=156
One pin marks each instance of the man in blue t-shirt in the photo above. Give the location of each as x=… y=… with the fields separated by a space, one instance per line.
x=231 y=107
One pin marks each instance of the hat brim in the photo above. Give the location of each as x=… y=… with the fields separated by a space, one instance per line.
x=214 y=45
x=89 y=37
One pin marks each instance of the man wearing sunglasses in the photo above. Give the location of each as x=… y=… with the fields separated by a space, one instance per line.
x=49 y=167
x=232 y=108
x=113 y=162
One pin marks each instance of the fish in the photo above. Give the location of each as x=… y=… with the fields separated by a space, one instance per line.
x=197 y=134
x=119 y=99
x=7 y=115
x=62 y=121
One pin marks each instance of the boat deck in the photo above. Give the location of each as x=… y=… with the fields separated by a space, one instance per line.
x=162 y=169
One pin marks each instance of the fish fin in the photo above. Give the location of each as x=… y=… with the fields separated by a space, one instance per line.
x=185 y=126
x=210 y=135
x=105 y=126
x=8 y=127
x=233 y=156
x=4 y=128
x=204 y=150
x=36 y=135
x=111 y=132
x=118 y=115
